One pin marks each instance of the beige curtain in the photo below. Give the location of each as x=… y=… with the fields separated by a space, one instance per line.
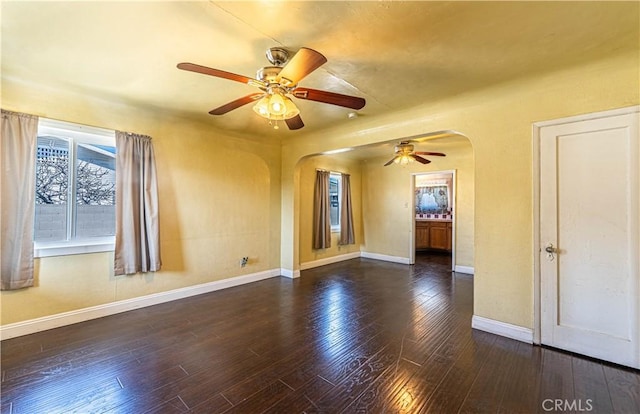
x=17 y=179
x=137 y=230
x=321 y=217
x=346 y=212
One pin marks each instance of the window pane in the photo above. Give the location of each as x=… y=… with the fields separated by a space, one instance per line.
x=334 y=206
x=95 y=191
x=52 y=189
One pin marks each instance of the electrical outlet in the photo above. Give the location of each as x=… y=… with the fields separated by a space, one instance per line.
x=244 y=261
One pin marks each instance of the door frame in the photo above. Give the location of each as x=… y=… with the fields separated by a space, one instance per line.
x=412 y=212
x=536 y=132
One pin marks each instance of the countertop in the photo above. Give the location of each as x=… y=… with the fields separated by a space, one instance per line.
x=434 y=219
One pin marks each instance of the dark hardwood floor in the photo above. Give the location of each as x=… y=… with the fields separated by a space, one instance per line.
x=360 y=336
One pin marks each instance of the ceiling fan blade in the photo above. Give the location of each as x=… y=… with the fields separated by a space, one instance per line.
x=420 y=159
x=347 y=101
x=294 y=123
x=221 y=110
x=435 y=154
x=192 y=67
x=391 y=161
x=301 y=64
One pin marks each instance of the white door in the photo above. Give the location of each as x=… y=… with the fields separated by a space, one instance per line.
x=589 y=232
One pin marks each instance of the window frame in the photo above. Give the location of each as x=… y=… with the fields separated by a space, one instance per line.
x=335 y=228
x=75 y=134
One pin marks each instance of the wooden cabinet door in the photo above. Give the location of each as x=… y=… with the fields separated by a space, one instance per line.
x=438 y=237
x=422 y=235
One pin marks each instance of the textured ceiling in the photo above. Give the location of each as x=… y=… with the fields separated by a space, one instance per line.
x=393 y=54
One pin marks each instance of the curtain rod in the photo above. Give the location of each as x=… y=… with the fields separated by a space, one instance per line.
x=330 y=171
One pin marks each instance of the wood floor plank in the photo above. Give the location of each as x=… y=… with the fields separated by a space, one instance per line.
x=173 y=406
x=215 y=404
x=313 y=390
x=624 y=389
x=398 y=390
x=488 y=388
x=386 y=393
x=297 y=367
x=65 y=397
x=262 y=400
x=557 y=376
x=456 y=384
x=590 y=386
x=356 y=383
x=521 y=392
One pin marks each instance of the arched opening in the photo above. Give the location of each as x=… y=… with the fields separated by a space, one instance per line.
x=384 y=200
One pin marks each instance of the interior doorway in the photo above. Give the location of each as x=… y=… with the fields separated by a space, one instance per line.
x=587 y=235
x=433 y=214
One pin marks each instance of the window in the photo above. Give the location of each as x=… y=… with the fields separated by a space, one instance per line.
x=75 y=189
x=335 y=184
x=432 y=198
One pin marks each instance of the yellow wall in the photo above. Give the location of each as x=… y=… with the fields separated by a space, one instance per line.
x=498 y=121
x=307 y=168
x=219 y=201
x=387 y=200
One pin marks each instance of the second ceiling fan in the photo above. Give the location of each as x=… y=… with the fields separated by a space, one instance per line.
x=405 y=154
x=277 y=83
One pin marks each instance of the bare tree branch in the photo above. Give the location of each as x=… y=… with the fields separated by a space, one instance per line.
x=52 y=182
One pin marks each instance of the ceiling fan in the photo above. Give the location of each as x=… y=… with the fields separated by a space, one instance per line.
x=277 y=83
x=405 y=154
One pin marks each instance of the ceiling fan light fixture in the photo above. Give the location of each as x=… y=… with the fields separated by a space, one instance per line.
x=404 y=154
x=276 y=107
x=404 y=159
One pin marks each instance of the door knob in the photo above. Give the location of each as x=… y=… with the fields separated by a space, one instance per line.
x=550 y=251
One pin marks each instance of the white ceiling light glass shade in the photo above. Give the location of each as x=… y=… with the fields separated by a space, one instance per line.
x=403 y=159
x=262 y=107
x=291 y=109
x=276 y=107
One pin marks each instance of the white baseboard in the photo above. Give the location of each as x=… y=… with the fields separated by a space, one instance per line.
x=386 y=258
x=329 y=260
x=508 y=330
x=464 y=269
x=291 y=274
x=67 y=318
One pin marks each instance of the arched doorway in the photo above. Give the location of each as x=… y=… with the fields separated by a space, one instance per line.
x=385 y=199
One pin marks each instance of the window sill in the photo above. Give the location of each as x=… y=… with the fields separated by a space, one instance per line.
x=50 y=249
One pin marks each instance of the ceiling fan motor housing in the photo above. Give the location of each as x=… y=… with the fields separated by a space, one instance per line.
x=404 y=148
x=268 y=74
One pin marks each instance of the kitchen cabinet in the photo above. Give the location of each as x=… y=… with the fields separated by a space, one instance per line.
x=433 y=235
